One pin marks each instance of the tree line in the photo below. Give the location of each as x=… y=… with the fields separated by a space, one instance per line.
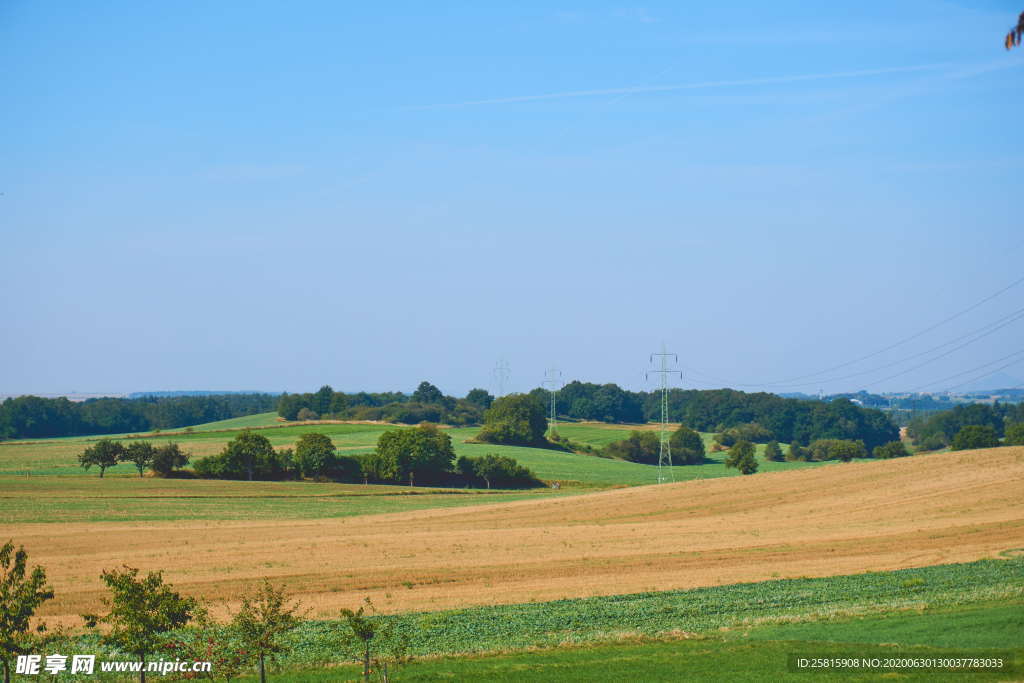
x=426 y=404
x=787 y=419
x=989 y=423
x=144 y=616
x=33 y=417
x=417 y=455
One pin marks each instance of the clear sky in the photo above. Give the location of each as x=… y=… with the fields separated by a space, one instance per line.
x=278 y=195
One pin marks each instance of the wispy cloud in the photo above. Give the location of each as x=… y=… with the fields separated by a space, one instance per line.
x=634 y=90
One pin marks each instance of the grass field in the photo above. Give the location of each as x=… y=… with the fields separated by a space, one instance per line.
x=58 y=456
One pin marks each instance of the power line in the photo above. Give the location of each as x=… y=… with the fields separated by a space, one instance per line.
x=913 y=336
x=974 y=369
x=982 y=332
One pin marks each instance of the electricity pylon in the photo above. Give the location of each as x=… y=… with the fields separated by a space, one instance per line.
x=664 y=448
x=553 y=380
x=501 y=373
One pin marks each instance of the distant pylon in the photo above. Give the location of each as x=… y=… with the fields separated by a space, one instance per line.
x=553 y=380
x=501 y=374
x=664 y=448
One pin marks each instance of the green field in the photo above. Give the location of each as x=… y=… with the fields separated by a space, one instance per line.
x=58 y=456
x=736 y=632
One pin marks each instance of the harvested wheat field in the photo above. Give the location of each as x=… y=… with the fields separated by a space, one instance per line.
x=837 y=519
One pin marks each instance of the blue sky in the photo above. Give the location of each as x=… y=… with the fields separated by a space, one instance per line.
x=278 y=195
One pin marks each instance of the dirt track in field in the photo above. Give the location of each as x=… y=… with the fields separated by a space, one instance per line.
x=837 y=519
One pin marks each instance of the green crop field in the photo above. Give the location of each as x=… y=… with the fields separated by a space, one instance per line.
x=734 y=632
x=739 y=632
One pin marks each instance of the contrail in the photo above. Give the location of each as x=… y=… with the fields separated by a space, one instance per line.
x=688 y=86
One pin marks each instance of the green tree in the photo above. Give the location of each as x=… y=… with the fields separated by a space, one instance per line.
x=639 y=446
x=741 y=456
x=516 y=419
x=974 y=436
x=480 y=397
x=322 y=400
x=167 y=458
x=1015 y=434
x=837 y=449
x=207 y=641
x=315 y=454
x=142 y=612
x=687 y=446
x=262 y=622
x=796 y=453
x=893 y=449
x=427 y=393
x=21 y=592
x=246 y=450
x=104 y=453
x=421 y=452
x=772 y=452
x=369 y=633
x=305 y=414
x=140 y=453
x=496 y=469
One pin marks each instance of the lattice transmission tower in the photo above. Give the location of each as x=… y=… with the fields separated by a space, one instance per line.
x=501 y=373
x=664 y=448
x=553 y=380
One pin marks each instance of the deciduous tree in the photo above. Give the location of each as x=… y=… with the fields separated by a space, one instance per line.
x=893 y=449
x=687 y=446
x=21 y=592
x=741 y=456
x=315 y=454
x=772 y=452
x=516 y=419
x=262 y=621
x=139 y=453
x=974 y=436
x=167 y=458
x=104 y=453
x=142 y=612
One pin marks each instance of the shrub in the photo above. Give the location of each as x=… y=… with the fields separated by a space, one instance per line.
x=934 y=442
x=305 y=414
x=516 y=419
x=167 y=458
x=837 y=449
x=314 y=454
x=423 y=453
x=741 y=456
x=1015 y=434
x=687 y=447
x=248 y=456
x=497 y=470
x=974 y=436
x=796 y=453
x=772 y=452
x=642 y=447
x=893 y=449
x=750 y=431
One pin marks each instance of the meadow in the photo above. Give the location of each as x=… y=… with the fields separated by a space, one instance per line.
x=58 y=456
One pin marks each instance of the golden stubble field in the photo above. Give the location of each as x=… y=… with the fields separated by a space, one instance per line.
x=837 y=519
